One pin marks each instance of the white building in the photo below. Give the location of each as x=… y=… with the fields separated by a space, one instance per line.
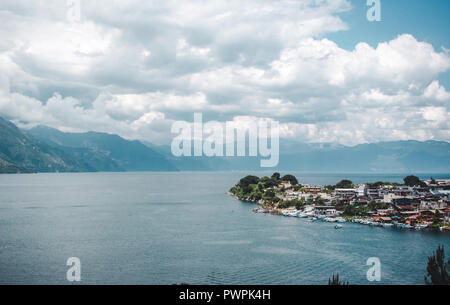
x=345 y=192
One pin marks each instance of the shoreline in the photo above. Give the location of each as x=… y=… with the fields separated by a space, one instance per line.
x=338 y=220
x=421 y=206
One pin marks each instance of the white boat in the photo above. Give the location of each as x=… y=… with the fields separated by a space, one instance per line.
x=340 y=219
x=408 y=226
x=420 y=227
x=329 y=219
x=309 y=214
x=387 y=225
x=290 y=213
x=302 y=215
x=338 y=226
x=400 y=225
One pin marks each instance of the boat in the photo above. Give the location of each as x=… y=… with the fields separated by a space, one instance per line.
x=290 y=213
x=340 y=219
x=338 y=226
x=400 y=225
x=408 y=226
x=302 y=215
x=309 y=214
x=420 y=227
x=387 y=225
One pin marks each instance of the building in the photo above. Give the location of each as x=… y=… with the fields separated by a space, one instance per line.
x=345 y=192
x=286 y=184
x=313 y=189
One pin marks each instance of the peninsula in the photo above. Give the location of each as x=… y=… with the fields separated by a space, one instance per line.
x=415 y=204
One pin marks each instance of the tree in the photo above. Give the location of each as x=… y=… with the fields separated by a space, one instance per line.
x=300 y=204
x=268 y=182
x=256 y=196
x=276 y=176
x=437 y=269
x=319 y=201
x=437 y=221
x=336 y=281
x=291 y=179
x=413 y=181
x=246 y=181
x=345 y=184
x=247 y=189
x=269 y=194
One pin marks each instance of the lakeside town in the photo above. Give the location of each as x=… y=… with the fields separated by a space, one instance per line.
x=416 y=204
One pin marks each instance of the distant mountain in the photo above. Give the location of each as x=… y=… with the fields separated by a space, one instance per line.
x=99 y=148
x=21 y=153
x=383 y=157
x=44 y=149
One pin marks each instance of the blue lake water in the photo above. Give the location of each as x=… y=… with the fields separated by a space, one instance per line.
x=164 y=228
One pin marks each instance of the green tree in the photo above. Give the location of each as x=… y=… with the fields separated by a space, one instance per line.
x=300 y=204
x=268 y=182
x=437 y=269
x=345 y=184
x=437 y=221
x=413 y=181
x=269 y=194
x=246 y=181
x=276 y=176
x=291 y=179
x=319 y=201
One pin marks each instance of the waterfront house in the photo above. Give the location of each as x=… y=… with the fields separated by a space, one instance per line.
x=385 y=219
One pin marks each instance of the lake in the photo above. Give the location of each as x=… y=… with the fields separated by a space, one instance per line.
x=164 y=228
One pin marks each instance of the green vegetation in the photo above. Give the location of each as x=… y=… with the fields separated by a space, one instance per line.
x=437 y=221
x=297 y=203
x=351 y=210
x=413 y=181
x=437 y=269
x=381 y=183
x=276 y=176
x=345 y=184
x=291 y=179
x=362 y=209
x=252 y=188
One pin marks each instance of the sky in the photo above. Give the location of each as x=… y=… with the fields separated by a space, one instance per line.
x=318 y=67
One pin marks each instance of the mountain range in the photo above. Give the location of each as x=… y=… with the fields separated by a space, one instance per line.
x=45 y=149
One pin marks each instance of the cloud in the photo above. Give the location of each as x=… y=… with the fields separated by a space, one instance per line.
x=134 y=67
